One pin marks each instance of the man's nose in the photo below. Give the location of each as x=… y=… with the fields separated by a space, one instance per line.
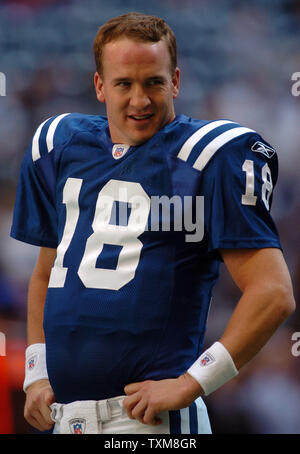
x=139 y=99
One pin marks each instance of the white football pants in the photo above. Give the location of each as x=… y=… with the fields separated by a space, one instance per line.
x=110 y=417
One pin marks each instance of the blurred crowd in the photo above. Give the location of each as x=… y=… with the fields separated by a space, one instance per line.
x=237 y=59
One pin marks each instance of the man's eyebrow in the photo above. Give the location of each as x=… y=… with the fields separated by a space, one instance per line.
x=128 y=79
x=121 y=79
x=156 y=78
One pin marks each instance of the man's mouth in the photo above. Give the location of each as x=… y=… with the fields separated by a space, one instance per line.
x=141 y=118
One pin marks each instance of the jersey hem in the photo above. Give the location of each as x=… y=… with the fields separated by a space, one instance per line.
x=248 y=244
x=34 y=241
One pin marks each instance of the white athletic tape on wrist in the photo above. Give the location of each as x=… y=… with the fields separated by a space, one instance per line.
x=35 y=364
x=213 y=368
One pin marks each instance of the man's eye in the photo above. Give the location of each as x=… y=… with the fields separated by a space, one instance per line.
x=123 y=84
x=155 y=82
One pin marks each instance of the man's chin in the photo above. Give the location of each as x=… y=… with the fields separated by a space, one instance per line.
x=135 y=135
x=139 y=139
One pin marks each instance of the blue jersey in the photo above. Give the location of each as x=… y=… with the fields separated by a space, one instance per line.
x=138 y=232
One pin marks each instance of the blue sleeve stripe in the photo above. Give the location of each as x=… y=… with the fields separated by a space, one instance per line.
x=213 y=146
x=35 y=150
x=188 y=146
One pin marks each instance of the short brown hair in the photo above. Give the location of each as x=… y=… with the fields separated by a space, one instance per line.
x=137 y=26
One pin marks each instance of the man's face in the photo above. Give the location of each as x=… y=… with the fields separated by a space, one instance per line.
x=138 y=89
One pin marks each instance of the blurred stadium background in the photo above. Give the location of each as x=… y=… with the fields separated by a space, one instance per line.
x=237 y=59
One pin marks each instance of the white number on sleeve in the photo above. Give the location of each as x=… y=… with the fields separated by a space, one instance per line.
x=267 y=187
x=249 y=198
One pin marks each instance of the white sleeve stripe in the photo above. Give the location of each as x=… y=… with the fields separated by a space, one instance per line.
x=187 y=147
x=210 y=149
x=35 y=150
x=51 y=131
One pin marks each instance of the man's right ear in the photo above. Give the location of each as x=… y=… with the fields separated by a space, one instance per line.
x=98 y=82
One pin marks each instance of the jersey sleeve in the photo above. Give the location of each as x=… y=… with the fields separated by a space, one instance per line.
x=240 y=179
x=35 y=218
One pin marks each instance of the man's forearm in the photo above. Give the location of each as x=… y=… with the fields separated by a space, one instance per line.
x=255 y=319
x=267 y=300
x=35 y=309
x=37 y=292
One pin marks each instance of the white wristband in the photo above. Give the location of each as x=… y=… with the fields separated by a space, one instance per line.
x=35 y=364
x=213 y=368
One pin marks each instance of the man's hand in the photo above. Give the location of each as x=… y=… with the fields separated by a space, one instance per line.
x=39 y=397
x=149 y=398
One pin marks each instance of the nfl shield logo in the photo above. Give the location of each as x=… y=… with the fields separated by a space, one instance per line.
x=119 y=150
x=32 y=362
x=77 y=426
x=206 y=359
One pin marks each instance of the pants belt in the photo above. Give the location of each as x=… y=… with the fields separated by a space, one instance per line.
x=86 y=416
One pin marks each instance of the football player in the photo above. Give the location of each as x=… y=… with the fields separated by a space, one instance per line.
x=118 y=304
